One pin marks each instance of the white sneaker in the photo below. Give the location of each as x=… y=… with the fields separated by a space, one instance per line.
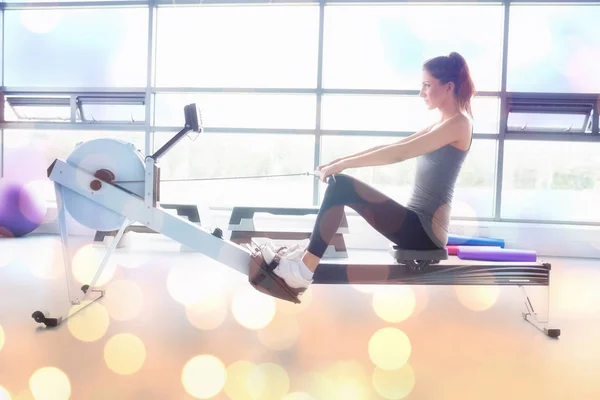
x=291 y=272
x=290 y=266
x=294 y=252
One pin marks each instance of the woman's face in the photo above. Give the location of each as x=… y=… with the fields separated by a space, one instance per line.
x=433 y=92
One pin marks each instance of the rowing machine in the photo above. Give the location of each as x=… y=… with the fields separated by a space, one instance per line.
x=106 y=185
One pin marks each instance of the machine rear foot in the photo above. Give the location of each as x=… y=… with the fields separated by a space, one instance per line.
x=553 y=333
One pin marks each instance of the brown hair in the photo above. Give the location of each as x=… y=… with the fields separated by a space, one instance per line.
x=454 y=68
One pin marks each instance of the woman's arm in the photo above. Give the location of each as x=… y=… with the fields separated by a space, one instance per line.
x=377 y=148
x=417 y=145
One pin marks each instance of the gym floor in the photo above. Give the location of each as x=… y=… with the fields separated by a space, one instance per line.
x=176 y=325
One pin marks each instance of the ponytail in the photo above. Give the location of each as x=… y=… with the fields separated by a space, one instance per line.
x=453 y=68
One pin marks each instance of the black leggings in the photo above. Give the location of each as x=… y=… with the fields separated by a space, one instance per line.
x=394 y=221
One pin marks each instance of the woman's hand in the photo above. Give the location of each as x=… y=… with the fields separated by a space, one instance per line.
x=322 y=166
x=332 y=169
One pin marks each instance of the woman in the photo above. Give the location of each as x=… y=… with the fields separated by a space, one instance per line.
x=440 y=150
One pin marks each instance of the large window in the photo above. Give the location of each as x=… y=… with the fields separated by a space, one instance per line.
x=238 y=46
x=253 y=70
x=96 y=47
x=384 y=46
x=222 y=155
x=555 y=181
x=554 y=48
x=240 y=110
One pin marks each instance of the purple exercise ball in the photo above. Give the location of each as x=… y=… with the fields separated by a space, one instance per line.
x=22 y=209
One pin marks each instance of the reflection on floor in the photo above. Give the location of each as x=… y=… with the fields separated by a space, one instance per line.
x=176 y=325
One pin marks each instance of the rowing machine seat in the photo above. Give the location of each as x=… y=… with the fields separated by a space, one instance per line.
x=401 y=254
x=417 y=260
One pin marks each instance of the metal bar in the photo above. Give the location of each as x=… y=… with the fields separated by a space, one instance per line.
x=73 y=105
x=596 y=117
x=2 y=39
x=72 y=4
x=399 y=134
x=554 y=137
x=318 y=90
x=274 y=131
x=463 y=2
x=167 y=3
x=38 y=101
x=170 y=144
x=503 y=117
x=1 y=153
x=564 y=97
x=23 y=90
x=134 y=99
x=534 y=221
x=175 y=3
x=323 y=132
x=317 y=152
x=559 y=2
x=397 y=92
x=159 y=90
x=66 y=126
x=149 y=141
x=413 y=2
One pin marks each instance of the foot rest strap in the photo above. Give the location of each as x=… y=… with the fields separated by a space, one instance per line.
x=400 y=254
x=263 y=279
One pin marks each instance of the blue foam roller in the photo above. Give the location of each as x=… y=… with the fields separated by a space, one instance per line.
x=458 y=240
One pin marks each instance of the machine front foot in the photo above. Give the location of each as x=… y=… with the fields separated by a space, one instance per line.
x=42 y=318
x=263 y=279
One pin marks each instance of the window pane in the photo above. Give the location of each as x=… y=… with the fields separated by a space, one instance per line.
x=48 y=108
x=396 y=113
x=69 y=47
x=384 y=47
x=549 y=122
x=28 y=153
x=474 y=194
x=551 y=181
x=240 y=110
x=112 y=111
x=238 y=155
x=37 y=108
x=238 y=46
x=554 y=48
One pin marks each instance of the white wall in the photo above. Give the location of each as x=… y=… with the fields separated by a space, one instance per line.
x=546 y=239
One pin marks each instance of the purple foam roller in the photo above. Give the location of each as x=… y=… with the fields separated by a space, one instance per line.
x=496 y=254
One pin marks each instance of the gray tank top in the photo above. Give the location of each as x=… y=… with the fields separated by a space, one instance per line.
x=433 y=190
